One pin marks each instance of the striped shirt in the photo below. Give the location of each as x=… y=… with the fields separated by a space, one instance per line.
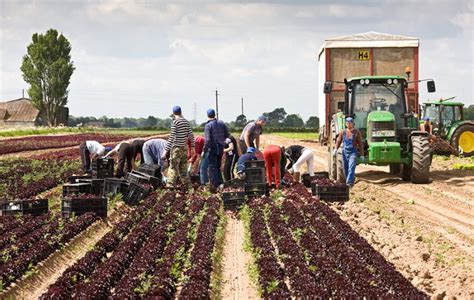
x=180 y=134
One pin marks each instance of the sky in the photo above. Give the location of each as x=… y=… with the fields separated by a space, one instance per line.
x=139 y=58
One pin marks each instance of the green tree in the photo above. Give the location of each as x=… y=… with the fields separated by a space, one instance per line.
x=313 y=122
x=276 y=117
x=47 y=67
x=293 y=120
x=469 y=112
x=240 y=121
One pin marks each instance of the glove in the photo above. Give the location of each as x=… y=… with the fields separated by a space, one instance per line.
x=334 y=152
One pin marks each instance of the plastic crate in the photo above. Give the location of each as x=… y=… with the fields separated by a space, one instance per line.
x=195 y=179
x=256 y=189
x=307 y=179
x=150 y=169
x=33 y=207
x=255 y=164
x=78 y=178
x=97 y=185
x=235 y=183
x=330 y=192
x=135 y=193
x=140 y=178
x=78 y=206
x=233 y=200
x=255 y=175
x=114 y=186
x=77 y=188
x=104 y=167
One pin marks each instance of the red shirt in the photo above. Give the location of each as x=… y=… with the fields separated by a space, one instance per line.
x=198 y=146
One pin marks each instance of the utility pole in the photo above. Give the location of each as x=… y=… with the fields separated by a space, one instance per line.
x=217 y=105
x=242 y=104
x=195 y=112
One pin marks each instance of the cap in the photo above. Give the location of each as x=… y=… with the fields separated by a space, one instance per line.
x=250 y=150
x=262 y=118
x=108 y=149
x=211 y=113
x=177 y=110
x=350 y=119
x=426 y=118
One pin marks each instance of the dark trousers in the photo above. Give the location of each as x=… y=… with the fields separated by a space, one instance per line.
x=125 y=155
x=215 y=161
x=85 y=157
x=230 y=162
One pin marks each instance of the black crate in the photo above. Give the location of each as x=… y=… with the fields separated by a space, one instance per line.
x=33 y=207
x=256 y=189
x=235 y=183
x=78 y=206
x=97 y=185
x=233 y=200
x=150 y=169
x=255 y=164
x=78 y=178
x=307 y=179
x=114 y=186
x=77 y=188
x=135 y=193
x=104 y=167
x=195 y=179
x=140 y=178
x=255 y=175
x=331 y=193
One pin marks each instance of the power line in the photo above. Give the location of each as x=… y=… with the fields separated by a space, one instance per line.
x=217 y=105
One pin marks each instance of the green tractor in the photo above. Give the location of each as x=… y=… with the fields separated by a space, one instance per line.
x=447 y=119
x=389 y=131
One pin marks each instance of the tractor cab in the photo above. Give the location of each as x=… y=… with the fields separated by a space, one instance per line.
x=443 y=115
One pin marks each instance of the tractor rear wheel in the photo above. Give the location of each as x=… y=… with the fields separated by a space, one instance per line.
x=463 y=140
x=395 y=169
x=420 y=172
x=341 y=175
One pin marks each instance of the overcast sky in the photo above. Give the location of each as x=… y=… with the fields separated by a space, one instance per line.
x=139 y=58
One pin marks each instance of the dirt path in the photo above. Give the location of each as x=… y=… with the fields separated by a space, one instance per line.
x=236 y=284
x=426 y=231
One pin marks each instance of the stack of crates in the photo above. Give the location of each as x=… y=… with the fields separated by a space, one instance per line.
x=34 y=207
x=77 y=188
x=97 y=185
x=255 y=183
x=80 y=205
x=233 y=200
x=104 y=167
x=114 y=186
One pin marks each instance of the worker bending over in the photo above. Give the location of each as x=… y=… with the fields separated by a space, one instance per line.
x=351 y=139
x=243 y=158
x=298 y=155
x=89 y=148
x=273 y=156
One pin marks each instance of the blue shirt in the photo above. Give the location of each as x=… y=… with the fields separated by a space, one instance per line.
x=215 y=132
x=241 y=162
x=157 y=149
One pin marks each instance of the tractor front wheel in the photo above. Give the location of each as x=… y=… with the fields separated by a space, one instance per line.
x=463 y=140
x=420 y=170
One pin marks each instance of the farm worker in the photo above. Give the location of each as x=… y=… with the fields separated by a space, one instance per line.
x=153 y=151
x=298 y=155
x=125 y=158
x=242 y=159
x=193 y=161
x=215 y=133
x=89 y=148
x=137 y=145
x=427 y=126
x=250 y=136
x=352 y=147
x=231 y=157
x=181 y=133
x=273 y=156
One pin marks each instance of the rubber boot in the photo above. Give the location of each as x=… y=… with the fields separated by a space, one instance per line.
x=297 y=176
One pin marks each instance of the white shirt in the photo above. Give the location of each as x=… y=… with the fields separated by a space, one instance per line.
x=95 y=147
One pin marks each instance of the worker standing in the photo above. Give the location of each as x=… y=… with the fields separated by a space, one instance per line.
x=89 y=148
x=351 y=139
x=244 y=158
x=215 y=134
x=272 y=155
x=250 y=136
x=298 y=155
x=231 y=157
x=181 y=133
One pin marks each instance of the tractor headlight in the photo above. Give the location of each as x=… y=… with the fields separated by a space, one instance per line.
x=383 y=133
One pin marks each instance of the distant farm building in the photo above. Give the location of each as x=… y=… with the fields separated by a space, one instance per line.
x=22 y=113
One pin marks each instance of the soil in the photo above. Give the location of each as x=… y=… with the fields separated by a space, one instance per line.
x=426 y=231
x=236 y=284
